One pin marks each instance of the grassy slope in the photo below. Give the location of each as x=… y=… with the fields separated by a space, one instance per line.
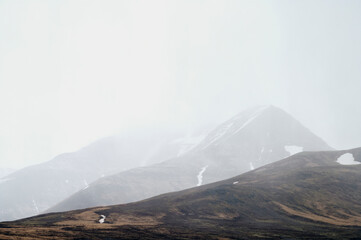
x=308 y=195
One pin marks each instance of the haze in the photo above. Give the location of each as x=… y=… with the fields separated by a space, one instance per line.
x=72 y=72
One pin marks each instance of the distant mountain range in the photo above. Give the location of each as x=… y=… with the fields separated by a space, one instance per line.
x=310 y=195
x=34 y=189
x=249 y=140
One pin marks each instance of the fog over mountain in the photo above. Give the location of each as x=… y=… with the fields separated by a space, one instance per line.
x=34 y=189
x=249 y=140
x=72 y=72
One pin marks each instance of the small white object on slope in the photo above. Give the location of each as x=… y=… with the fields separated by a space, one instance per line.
x=102 y=219
x=347 y=159
x=235 y=182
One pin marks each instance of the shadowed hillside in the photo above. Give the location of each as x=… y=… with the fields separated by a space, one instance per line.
x=308 y=195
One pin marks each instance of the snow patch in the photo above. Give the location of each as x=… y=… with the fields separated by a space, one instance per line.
x=86 y=184
x=102 y=219
x=251 y=166
x=260 y=155
x=235 y=182
x=347 y=159
x=36 y=207
x=292 y=150
x=200 y=176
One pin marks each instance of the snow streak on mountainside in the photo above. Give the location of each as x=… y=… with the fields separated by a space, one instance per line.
x=200 y=176
x=231 y=127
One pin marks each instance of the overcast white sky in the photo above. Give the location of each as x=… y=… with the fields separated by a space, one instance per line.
x=75 y=71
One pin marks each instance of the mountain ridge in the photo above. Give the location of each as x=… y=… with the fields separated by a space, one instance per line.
x=224 y=153
x=34 y=189
x=309 y=195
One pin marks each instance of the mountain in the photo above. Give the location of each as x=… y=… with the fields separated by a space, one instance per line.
x=34 y=189
x=310 y=195
x=6 y=171
x=249 y=140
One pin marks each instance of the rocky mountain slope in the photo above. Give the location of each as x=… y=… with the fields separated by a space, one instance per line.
x=251 y=139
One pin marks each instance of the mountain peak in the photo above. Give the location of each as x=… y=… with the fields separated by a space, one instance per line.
x=251 y=139
x=263 y=122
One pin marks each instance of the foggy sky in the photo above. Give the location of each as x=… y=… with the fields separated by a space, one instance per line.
x=75 y=71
